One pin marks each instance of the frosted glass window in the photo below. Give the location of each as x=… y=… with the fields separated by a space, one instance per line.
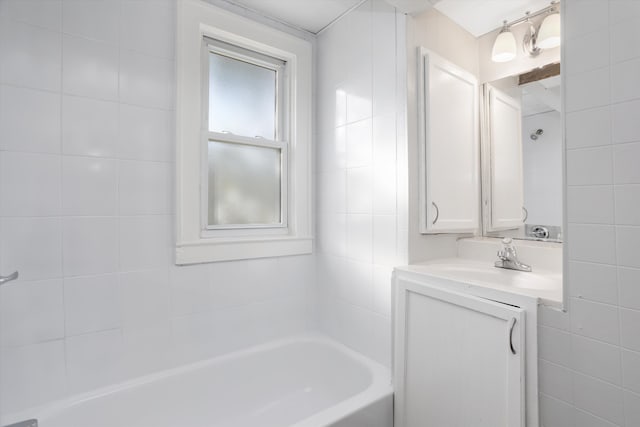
x=244 y=184
x=242 y=97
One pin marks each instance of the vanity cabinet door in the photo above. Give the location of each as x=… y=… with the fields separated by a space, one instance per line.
x=505 y=153
x=459 y=359
x=449 y=156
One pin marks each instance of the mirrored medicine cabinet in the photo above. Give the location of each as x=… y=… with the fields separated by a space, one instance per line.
x=521 y=156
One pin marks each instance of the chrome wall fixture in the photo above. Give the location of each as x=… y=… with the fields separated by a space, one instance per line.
x=546 y=36
x=5 y=279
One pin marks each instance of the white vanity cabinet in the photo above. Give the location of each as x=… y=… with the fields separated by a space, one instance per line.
x=458 y=358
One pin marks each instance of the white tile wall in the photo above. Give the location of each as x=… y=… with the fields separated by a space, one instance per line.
x=597 y=359
x=90 y=68
x=625 y=126
x=42 y=13
x=628 y=279
x=142 y=188
x=86 y=211
x=588 y=128
x=145 y=134
x=19 y=108
x=91 y=304
x=94 y=359
x=146 y=80
x=89 y=186
x=89 y=127
x=624 y=81
x=93 y=19
x=32 y=313
x=31 y=56
x=40 y=366
x=555 y=413
x=625 y=165
x=603 y=140
x=39 y=191
x=33 y=246
x=555 y=381
x=356 y=154
x=595 y=282
x=632 y=408
x=89 y=245
x=598 y=398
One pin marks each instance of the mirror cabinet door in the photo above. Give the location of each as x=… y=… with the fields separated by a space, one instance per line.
x=506 y=201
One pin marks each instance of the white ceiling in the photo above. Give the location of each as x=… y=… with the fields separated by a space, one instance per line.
x=310 y=15
x=478 y=17
x=412 y=6
x=482 y=16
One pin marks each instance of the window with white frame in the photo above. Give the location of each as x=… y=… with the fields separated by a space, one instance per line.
x=244 y=138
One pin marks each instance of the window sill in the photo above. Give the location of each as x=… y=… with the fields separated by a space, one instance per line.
x=237 y=249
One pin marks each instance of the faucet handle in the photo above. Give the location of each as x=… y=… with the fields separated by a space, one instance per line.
x=507 y=241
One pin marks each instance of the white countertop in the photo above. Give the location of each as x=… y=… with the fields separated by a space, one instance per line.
x=544 y=285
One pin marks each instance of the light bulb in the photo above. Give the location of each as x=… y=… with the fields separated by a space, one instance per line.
x=549 y=33
x=504 y=48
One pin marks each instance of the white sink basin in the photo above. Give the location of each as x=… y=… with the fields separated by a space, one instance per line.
x=476 y=272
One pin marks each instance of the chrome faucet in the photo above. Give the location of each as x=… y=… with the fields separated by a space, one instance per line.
x=509 y=257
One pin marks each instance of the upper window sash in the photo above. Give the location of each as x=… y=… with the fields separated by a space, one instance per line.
x=279 y=66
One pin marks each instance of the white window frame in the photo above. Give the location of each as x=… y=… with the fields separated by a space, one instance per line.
x=196 y=241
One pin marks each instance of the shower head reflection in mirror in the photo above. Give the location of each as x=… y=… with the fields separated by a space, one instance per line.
x=537 y=134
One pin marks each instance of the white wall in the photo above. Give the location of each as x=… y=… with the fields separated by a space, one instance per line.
x=86 y=214
x=542 y=168
x=361 y=177
x=590 y=356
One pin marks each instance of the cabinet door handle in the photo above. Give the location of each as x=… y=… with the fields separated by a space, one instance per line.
x=437 y=213
x=512 y=324
x=525 y=215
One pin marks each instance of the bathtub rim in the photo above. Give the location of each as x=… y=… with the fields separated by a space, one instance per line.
x=379 y=387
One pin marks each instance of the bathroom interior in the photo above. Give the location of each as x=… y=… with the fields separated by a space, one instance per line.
x=346 y=213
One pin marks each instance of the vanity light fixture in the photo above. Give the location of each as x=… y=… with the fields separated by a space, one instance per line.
x=546 y=36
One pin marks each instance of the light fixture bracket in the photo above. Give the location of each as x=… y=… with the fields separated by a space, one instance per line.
x=529 y=43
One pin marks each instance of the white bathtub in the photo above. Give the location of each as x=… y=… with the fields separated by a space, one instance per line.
x=305 y=381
